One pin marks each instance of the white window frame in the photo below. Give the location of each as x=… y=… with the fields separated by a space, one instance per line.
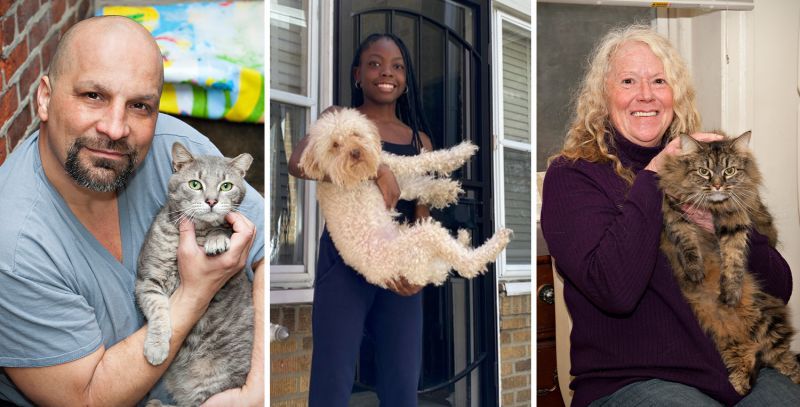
x=505 y=271
x=292 y=283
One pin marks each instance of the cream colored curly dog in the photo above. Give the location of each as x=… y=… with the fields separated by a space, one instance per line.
x=344 y=147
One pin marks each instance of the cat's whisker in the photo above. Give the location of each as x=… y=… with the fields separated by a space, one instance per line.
x=748 y=206
x=187 y=213
x=177 y=211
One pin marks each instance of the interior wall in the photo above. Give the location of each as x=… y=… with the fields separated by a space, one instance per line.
x=776 y=26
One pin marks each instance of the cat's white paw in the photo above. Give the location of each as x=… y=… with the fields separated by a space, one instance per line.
x=156 y=348
x=216 y=245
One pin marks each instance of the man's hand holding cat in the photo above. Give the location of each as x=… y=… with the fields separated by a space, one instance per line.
x=674 y=148
x=201 y=275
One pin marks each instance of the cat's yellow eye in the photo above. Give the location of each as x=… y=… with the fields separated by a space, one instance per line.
x=195 y=184
x=226 y=186
x=704 y=172
x=730 y=171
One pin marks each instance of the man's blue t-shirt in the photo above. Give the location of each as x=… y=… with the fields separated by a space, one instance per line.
x=62 y=294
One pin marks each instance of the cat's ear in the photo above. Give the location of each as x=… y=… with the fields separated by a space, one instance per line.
x=742 y=142
x=180 y=156
x=242 y=163
x=688 y=144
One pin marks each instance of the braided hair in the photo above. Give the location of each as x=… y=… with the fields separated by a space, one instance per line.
x=409 y=105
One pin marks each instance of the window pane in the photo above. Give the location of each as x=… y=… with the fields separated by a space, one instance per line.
x=561 y=54
x=516 y=83
x=287 y=127
x=517 y=167
x=288 y=46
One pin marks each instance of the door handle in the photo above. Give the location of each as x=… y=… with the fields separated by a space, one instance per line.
x=547 y=294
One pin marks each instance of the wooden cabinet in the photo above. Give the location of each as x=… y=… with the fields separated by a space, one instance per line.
x=547 y=391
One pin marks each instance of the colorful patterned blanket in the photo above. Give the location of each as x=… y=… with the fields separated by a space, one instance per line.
x=213 y=56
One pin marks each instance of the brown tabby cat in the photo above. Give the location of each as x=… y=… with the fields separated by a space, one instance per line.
x=748 y=326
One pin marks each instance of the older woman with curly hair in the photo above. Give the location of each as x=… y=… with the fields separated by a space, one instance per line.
x=634 y=338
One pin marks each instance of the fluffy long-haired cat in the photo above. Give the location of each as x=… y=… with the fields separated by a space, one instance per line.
x=215 y=356
x=749 y=326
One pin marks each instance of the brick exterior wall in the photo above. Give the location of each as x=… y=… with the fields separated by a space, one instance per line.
x=515 y=350
x=29 y=32
x=290 y=360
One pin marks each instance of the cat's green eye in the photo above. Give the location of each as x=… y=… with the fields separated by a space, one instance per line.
x=704 y=172
x=730 y=171
x=195 y=184
x=226 y=186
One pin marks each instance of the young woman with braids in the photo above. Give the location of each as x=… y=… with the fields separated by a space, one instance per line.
x=384 y=88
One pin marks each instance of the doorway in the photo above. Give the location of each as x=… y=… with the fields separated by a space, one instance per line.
x=449 y=45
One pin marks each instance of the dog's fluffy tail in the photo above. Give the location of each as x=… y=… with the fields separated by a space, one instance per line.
x=441 y=162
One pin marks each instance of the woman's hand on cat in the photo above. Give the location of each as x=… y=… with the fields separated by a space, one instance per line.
x=201 y=275
x=699 y=217
x=674 y=148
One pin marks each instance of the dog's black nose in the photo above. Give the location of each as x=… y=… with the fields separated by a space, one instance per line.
x=356 y=154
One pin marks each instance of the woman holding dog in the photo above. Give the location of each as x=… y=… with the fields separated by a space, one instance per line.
x=384 y=88
x=635 y=340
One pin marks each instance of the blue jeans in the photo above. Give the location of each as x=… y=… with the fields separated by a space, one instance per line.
x=772 y=389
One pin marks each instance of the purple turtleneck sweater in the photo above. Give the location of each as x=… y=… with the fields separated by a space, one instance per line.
x=630 y=320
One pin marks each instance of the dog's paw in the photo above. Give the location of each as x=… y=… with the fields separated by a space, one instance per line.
x=216 y=245
x=156 y=348
x=443 y=193
x=464 y=237
x=505 y=235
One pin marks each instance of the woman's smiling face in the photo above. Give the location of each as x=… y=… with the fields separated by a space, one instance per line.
x=382 y=72
x=639 y=97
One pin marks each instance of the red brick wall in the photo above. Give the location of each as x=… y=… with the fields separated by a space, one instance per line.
x=29 y=32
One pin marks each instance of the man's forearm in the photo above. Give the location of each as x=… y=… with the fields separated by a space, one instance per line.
x=115 y=381
x=117 y=376
x=256 y=376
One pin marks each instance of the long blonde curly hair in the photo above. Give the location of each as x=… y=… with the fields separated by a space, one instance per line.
x=586 y=138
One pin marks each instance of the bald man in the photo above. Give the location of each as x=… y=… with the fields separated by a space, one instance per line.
x=78 y=197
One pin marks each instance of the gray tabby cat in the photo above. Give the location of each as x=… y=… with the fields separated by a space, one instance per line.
x=749 y=327
x=216 y=354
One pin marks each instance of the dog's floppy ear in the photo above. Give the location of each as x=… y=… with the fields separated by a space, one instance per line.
x=308 y=162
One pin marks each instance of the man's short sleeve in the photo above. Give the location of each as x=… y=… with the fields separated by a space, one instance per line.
x=44 y=321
